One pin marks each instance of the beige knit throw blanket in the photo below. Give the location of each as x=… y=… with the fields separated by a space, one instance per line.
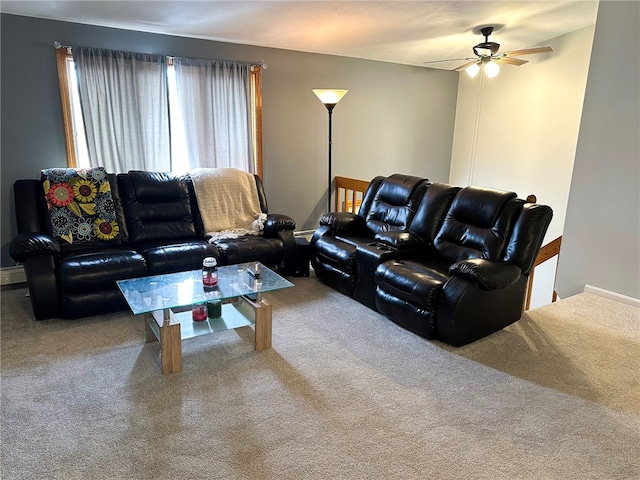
x=228 y=202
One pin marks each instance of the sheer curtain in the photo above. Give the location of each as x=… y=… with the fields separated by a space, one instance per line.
x=123 y=96
x=214 y=98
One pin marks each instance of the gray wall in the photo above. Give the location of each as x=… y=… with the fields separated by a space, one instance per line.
x=601 y=240
x=395 y=118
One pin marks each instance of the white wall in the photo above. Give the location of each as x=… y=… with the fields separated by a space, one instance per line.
x=601 y=242
x=519 y=131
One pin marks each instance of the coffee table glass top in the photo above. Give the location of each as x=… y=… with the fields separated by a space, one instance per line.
x=172 y=290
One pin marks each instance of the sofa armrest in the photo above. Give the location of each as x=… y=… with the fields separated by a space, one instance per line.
x=343 y=223
x=487 y=274
x=39 y=253
x=282 y=227
x=400 y=240
x=31 y=244
x=277 y=222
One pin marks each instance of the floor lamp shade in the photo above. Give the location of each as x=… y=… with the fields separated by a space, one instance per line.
x=329 y=97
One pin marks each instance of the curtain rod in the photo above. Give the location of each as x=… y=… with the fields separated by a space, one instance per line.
x=260 y=64
x=58 y=45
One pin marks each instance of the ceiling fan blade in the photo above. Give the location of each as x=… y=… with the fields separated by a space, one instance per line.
x=465 y=65
x=449 y=60
x=527 y=51
x=511 y=61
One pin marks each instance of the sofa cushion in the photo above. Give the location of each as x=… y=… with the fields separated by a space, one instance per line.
x=394 y=203
x=477 y=224
x=81 y=207
x=433 y=207
x=157 y=207
x=335 y=253
x=86 y=272
x=269 y=251
x=414 y=282
x=227 y=198
x=176 y=257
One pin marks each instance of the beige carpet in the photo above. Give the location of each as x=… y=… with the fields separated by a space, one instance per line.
x=343 y=393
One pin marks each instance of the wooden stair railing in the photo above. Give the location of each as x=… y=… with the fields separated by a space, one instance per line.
x=545 y=253
x=349 y=194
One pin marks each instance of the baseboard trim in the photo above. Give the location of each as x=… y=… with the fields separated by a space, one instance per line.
x=612 y=295
x=11 y=275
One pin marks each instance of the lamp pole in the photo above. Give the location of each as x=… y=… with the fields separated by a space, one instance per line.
x=329 y=97
x=330 y=109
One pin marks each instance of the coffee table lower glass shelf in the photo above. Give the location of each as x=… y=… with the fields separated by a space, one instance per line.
x=166 y=301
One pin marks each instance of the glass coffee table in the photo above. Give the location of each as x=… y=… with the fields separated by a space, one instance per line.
x=167 y=301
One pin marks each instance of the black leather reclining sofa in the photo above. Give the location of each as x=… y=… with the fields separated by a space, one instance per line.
x=161 y=231
x=445 y=262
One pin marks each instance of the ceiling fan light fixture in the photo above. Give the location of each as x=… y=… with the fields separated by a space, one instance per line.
x=487 y=56
x=472 y=70
x=492 y=69
x=486 y=49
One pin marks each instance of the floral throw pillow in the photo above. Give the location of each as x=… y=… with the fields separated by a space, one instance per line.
x=80 y=204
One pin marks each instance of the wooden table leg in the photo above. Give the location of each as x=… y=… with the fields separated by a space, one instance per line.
x=170 y=340
x=263 y=325
x=170 y=349
x=261 y=310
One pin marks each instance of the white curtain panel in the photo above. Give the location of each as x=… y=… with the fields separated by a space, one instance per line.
x=214 y=98
x=123 y=96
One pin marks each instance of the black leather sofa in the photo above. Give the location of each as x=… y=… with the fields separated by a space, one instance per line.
x=345 y=252
x=452 y=266
x=160 y=231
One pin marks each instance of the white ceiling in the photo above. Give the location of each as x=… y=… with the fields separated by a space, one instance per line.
x=407 y=32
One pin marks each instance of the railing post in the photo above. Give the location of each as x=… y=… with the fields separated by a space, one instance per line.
x=548 y=251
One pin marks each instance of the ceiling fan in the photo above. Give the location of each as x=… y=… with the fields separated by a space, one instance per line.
x=487 y=55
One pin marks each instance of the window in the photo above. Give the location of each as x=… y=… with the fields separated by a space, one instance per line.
x=76 y=138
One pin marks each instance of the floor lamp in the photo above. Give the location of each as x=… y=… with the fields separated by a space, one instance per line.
x=330 y=97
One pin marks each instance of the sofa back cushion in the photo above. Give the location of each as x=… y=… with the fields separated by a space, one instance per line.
x=432 y=209
x=395 y=203
x=195 y=208
x=527 y=236
x=478 y=224
x=369 y=195
x=157 y=206
x=32 y=214
x=82 y=208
